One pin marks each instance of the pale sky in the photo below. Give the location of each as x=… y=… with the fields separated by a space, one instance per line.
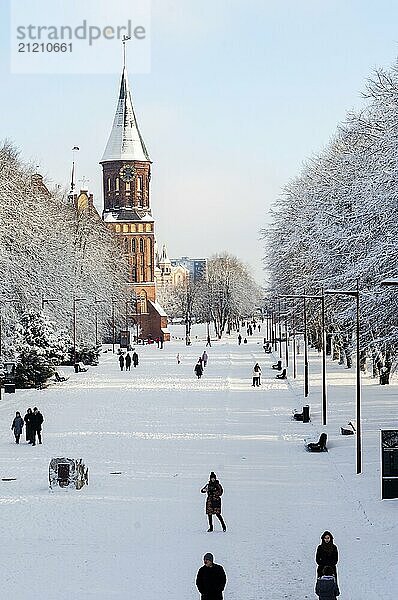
x=239 y=94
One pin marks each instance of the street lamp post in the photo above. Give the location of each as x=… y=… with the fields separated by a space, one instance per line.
x=3 y=300
x=96 y=301
x=355 y=294
x=306 y=297
x=74 y=325
x=113 y=324
x=45 y=301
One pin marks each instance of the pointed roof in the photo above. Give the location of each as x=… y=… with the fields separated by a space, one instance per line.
x=125 y=141
x=164 y=258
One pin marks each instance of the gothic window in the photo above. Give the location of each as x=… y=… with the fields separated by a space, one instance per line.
x=139 y=183
x=118 y=228
x=117 y=184
x=141 y=245
x=143 y=303
x=128 y=186
x=133 y=245
x=126 y=245
x=109 y=184
x=125 y=228
x=134 y=274
x=149 y=248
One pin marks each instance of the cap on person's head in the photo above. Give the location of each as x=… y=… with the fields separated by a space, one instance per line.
x=213 y=475
x=208 y=556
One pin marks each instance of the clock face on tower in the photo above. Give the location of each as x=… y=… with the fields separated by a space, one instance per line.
x=127 y=173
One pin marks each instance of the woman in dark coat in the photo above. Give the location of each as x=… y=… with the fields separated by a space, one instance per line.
x=121 y=362
x=128 y=362
x=135 y=359
x=198 y=370
x=17 y=426
x=214 y=491
x=327 y=554
x=28 y=425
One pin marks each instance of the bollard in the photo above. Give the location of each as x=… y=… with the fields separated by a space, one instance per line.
x=306 y=414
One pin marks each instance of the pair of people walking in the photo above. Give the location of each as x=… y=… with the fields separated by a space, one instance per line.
x=326 y=558
x=33 y=421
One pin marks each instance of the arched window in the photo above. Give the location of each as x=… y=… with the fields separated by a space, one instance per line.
x=128 y=186
x=134 y=274
x=133 y=245
x=143 y=303
x=117 y=184
x=141 y=245
x=126 y=245
x=109 y=184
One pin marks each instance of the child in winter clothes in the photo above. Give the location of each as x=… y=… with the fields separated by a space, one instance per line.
x=326 y=587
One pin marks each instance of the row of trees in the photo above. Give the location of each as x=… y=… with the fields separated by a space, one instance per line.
x=50 y=250
x=227 y=294
x=336 y=223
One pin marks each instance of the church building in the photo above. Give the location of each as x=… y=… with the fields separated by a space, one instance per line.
x=126 y=171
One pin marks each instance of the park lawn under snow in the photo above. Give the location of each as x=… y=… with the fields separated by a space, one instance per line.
x=142 y=534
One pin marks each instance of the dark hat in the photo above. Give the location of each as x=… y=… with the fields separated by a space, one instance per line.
x=326 y=533
x=212 y=474
x=208 y=556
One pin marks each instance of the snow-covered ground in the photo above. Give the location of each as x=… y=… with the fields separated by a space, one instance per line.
x=142 y=534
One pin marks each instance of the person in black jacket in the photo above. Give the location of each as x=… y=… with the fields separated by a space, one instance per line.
x=135 y=359
x=211 y=579
x=28 y=425
x=327 y=554
x=37 y=420
x=128 y=361
x=326 y=587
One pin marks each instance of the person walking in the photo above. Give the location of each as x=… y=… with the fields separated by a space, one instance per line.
x=327 y=554
x=135 y=359
x=178 y=358
x=205 y=358
x=198 y=369
x=17 y=426
x=121 y=362
x=37 y=421
x=211 y=579
x=28 y=425
x=208 y=343
x=256 y=375
x=128 y=361
x=326 y=587
x=214 y=491
x=239 y=339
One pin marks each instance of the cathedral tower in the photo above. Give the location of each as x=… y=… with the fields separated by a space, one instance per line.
x=126 y=172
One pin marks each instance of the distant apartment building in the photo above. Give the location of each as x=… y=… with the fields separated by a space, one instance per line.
x=197 y=267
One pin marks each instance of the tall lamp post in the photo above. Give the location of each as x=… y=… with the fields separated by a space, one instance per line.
x=75 y=300
x=113 y=324
x=45 y=301
x=96 y=301
x=3 y=301
x=355 y=294
x=306 y=297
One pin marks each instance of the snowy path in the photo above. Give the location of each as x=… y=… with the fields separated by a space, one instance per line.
x=142 y=534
